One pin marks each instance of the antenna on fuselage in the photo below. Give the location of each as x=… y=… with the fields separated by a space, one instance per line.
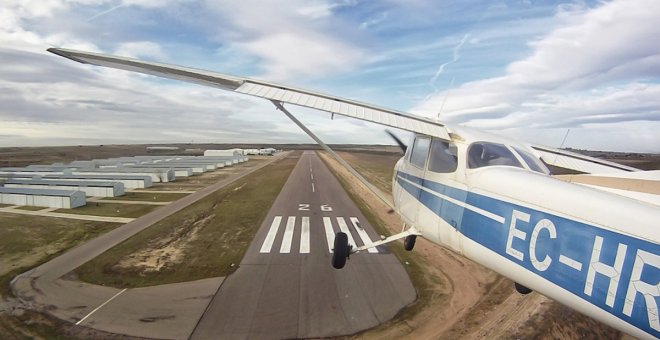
x=442 y=106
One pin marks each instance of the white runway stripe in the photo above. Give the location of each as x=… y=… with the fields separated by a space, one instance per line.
x=270 y=237
x=329 y=233
x=344 y=228
x=304 y=236
x=288 y=235
x=366 y=240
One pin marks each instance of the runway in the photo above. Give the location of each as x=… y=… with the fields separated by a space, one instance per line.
x=285 y=286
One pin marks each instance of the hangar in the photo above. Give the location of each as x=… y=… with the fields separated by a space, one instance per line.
x=179 y=170
x=227 y=152
x=157 y=175
x=194 y=169
x=90 y=188
x=207 y=165
x=129 y=181
x=42 y=198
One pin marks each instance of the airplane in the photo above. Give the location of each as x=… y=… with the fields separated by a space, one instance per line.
x=491 y=199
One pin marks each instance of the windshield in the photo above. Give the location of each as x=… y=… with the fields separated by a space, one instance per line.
x=489 y=154
x=533 y=162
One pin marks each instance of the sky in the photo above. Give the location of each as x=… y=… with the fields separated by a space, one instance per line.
x=532 y=70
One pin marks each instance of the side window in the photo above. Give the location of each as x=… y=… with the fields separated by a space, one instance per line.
x=443 y=157
x=420 y=151
x=489 y=154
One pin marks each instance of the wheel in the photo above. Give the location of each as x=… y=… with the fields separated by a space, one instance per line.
x=340 y=251
x=522 y=289
x=409 y=242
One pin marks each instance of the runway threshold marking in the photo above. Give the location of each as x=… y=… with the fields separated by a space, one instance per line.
x=344 y=228
x=366 y=240
x=270 y=237
x=329 y=233
x=99 y=307
x=288 y=235
x=304 y=236
x=306 y=231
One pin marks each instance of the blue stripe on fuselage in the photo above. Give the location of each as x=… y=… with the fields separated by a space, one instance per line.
x=574 y=240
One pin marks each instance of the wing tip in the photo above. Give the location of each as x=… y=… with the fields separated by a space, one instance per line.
x=64 y=53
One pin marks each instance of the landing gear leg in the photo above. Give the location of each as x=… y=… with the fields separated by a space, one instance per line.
x=341 y=251
x=409 y=242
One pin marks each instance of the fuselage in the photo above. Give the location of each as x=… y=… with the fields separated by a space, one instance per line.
x=590 y=250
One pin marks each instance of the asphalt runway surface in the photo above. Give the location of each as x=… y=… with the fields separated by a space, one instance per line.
x=286 y=287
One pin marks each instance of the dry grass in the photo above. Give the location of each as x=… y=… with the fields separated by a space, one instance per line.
x=375 y=167
x=207 y=239
x=148 y=196
x=110 y=209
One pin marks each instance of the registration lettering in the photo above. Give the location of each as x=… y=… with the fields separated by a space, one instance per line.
x=601 y=266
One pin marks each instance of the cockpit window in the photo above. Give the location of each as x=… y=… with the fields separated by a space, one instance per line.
x=443 y=157
x=533 y=162
x=489 y=154
x=420 y=151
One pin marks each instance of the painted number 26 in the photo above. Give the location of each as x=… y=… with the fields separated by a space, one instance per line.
x=305 y=207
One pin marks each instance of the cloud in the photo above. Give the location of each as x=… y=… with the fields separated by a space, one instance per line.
x=598 y=69
x=291 y=38
x=140 y=49
x=584 y=68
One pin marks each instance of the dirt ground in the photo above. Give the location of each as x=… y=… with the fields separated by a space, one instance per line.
x=471 y=301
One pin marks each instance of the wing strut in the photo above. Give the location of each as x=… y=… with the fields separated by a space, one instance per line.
x=341 y=161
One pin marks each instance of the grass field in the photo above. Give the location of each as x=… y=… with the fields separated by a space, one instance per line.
x=26 y=240
x=377 y=168
x=110 y=209
x=30 y=208
x=147 y=196
x=202 y=241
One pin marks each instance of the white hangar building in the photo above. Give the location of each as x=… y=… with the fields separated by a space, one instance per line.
x=227 y=152
x=90 y=188
x=42 y=198
x=129 y=181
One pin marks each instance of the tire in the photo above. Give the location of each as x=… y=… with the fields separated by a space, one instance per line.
x=409 y=242
x=522 y=289
x=340 y=252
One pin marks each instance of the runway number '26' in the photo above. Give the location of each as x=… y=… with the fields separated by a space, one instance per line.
x=305 y=207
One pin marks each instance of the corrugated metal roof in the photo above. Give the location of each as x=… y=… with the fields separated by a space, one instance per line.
x=29 y=170
x=40 y=192
x=133 y=177
x=55 y=182
x=120 y=169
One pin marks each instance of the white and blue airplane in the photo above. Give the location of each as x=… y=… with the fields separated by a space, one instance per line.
x=492 y=199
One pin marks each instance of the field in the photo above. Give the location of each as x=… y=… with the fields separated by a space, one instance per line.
x=148 y=196
x=110 y=209
x=207 y=239
x=27 y=241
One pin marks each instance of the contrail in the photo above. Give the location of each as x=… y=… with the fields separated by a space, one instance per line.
x=104 y=12
x=453 y=60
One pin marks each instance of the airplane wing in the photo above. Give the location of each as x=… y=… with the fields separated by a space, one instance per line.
x=579 y=163
x=603 y=175
x=262 y=89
